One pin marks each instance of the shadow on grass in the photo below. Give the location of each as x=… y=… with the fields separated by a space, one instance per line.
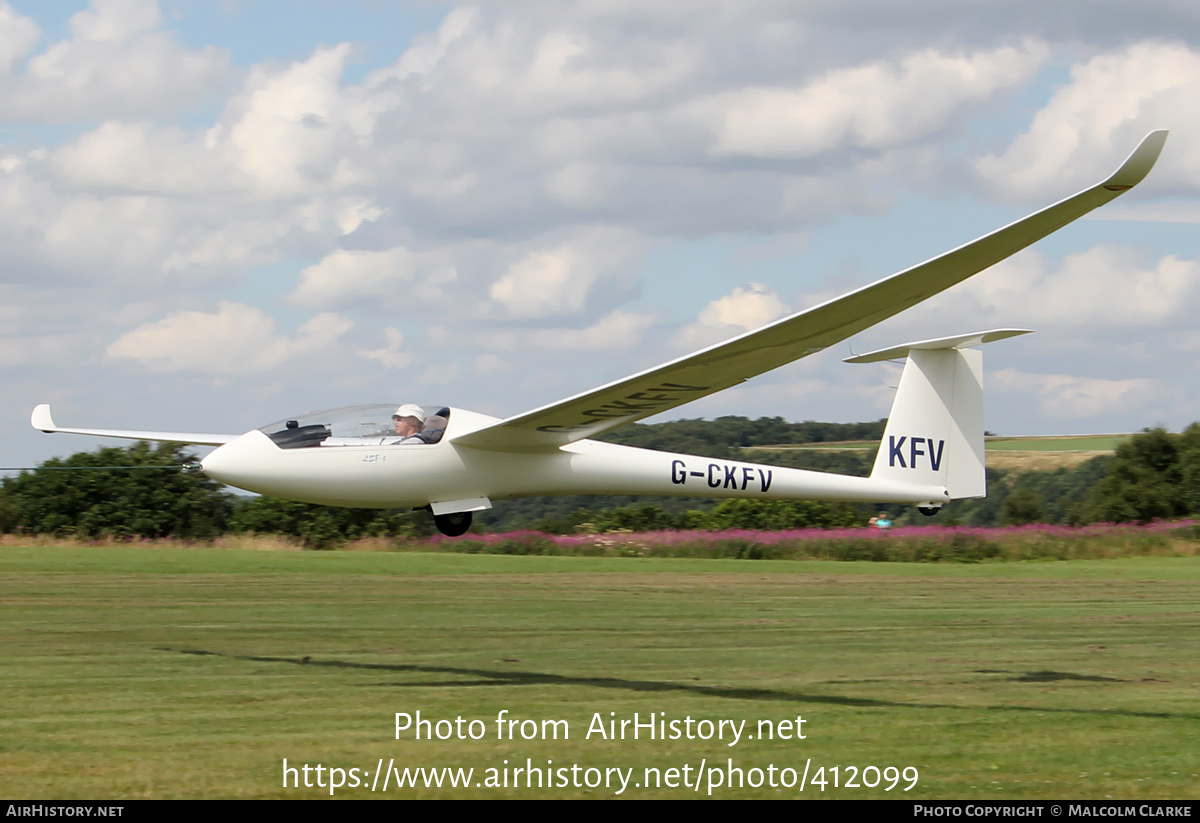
x=498 y=677
x=1047 y=676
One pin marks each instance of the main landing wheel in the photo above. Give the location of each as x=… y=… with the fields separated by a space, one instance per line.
x=929 y=511
x=453 y=525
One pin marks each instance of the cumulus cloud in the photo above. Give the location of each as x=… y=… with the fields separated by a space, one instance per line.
x=390 y=355
x=291 y=130
x=1069 y=396
x=299 y=130
x=788 y=395
x=505 y=176
x=117 y=61
x=41 y=350
x=1111 y=102
x=542 y=283
x=497 y=121
x=143 y=158
x=236 y=339
x=18 y=35
x=394 y=276
x=617 y=330
x=744 y=309
x=558 y=280
x=870 y=106
x=502 y=125
x=1089 y=292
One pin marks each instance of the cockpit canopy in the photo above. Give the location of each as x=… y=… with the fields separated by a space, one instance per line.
x=370 y=425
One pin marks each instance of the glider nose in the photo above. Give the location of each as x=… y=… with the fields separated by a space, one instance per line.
x=218 y=463
x=235 y=463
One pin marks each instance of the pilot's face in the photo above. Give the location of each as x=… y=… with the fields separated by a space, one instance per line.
x=406 y=426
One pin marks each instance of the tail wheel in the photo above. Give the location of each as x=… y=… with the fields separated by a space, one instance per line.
x=453 y=525
x=929 y=511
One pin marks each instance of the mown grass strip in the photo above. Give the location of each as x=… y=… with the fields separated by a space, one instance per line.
x=193 y=673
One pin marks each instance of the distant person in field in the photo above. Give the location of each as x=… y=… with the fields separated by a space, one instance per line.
x=881 y=521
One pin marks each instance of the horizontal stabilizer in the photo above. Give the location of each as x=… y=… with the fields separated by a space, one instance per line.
x=962 y=341
x=42 y=420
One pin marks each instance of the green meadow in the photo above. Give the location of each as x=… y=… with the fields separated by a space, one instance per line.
x=174 y=672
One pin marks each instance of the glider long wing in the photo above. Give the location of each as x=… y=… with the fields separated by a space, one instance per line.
x=807 y=332
x=42 y=420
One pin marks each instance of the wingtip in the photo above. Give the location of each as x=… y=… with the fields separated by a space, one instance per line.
x=1138 y=164
x=42 y=420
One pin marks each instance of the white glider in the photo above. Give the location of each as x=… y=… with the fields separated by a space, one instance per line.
x=456 y=462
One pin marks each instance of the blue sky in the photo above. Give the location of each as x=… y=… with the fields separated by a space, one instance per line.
x=213 y=215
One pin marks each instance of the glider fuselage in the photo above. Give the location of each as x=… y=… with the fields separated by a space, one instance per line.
x=375 y=475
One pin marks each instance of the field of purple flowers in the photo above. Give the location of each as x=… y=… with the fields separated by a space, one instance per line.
x=921 y=544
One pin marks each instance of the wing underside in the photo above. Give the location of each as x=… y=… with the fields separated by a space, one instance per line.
x=42 y=420
x=807 y=332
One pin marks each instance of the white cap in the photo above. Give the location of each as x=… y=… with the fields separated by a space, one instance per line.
x=410 y=410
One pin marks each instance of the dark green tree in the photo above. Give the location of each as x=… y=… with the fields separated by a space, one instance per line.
x=1143 y=482
x=1189 y=469
x=643 y=517
x=1023 y=506
x=78 y=496
x=781 y=514
x=322 y=527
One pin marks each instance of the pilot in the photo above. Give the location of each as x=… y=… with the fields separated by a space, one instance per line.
x=409 y=420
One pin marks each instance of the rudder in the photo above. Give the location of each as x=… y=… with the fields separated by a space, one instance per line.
x=934 y=434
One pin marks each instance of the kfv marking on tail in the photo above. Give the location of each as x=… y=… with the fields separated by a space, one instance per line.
x=915 y=450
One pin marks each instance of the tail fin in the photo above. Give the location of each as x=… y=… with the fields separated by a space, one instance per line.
x=934 y=435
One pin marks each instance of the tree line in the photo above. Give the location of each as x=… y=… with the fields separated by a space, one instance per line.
x=1156 y=474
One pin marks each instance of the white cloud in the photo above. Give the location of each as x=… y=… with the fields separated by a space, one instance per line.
x=487 y=364
x=117 y=62
x=744 y=309
x=43 y=350
x=18 y=35
x=543 y=283
x=617 y=330
x=1186 y=212
x=558 y=280
x=116 y=20
x=787 y=395
x=291 y=130
x=1062 y=395
x=142 y=158
x=390 y=355
x=299 y=130
x=483 y=131
x=505 y=176
x=395 y=276
x=533 y=60
x=441 y=374
x=1089 y=292
x=237 y=339
x=427 y=50
x=873 y=106
x=1112 y=101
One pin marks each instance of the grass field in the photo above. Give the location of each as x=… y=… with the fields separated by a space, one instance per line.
x=193 y=673
x=1075 y=443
